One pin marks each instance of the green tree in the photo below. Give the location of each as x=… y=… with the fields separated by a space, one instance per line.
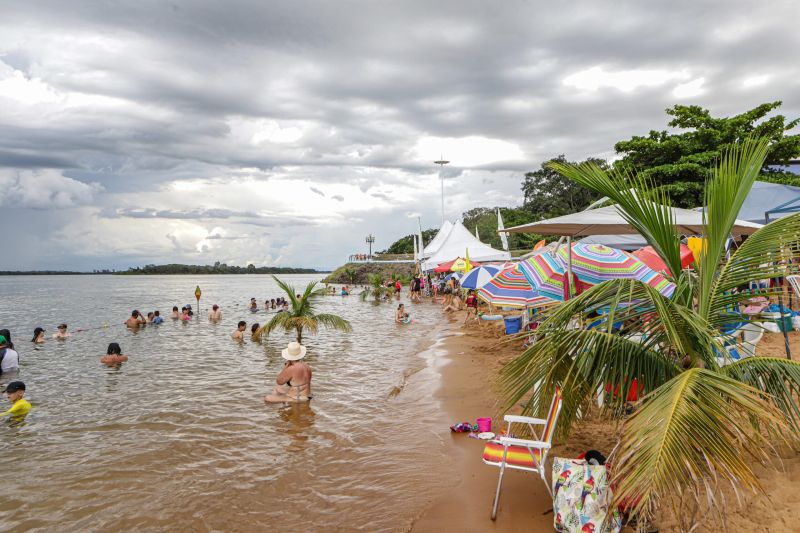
x=680 y=162
x=302 y=314
x=485 y=218
x=703 y=415
x=405 y=245
x=549 y=194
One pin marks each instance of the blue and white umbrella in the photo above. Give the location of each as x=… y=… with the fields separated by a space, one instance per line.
x=478 y=277
x=454 y=275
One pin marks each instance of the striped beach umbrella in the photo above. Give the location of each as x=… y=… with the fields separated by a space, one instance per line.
x=478 y=277
x=592 y=264
x=510 y=288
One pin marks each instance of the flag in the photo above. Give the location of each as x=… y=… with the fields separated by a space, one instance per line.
x=416 y=253
x=538 y=245
x=503 y=236
x=467 y=265
x=476 y=233
x=419 y=238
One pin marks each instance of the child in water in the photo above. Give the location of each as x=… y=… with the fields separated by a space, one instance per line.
x=15 y=392
x=186 y=316
x=175 y=314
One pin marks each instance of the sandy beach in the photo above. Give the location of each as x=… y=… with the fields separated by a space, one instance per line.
x=468 y=391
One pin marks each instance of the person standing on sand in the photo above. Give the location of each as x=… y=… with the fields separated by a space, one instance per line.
x=113 y=355
x=238 y=335
x=215 y=314
x=294 y=381
x=472 y=307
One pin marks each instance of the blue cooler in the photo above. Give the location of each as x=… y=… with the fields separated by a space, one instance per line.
x=513 y=324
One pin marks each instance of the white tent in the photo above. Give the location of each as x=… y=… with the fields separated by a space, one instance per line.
x=437 y=240
x=455 y=243
x=608 y=220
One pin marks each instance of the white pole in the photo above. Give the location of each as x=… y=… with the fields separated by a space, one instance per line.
x=569 y=267
x=441 y=162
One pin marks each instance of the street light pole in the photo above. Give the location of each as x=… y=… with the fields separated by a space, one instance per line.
x=441 y=162
x=370 y=240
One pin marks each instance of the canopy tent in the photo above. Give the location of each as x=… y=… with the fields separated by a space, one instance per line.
x=620 y=242
x=769 y=201
x=608 y=220
x=458 y=264
x=455 y=243
x=437 y=240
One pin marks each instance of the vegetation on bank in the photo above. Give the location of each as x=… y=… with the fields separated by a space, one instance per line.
x=359 y=273
x=676 y=161
x=217 y=268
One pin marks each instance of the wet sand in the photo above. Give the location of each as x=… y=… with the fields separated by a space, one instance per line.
x=468 y=390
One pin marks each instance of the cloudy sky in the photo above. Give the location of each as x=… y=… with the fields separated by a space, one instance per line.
x=282 y=133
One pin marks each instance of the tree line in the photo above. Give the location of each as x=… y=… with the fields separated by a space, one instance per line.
x=217 y=268
x=677 y=162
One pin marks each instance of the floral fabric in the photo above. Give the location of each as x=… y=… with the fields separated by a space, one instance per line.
x=582 y=496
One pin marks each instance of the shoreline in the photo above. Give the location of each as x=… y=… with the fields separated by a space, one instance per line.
x=468 y=372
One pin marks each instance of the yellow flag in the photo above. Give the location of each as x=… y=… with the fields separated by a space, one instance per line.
x=698 y=246
x=467 y=265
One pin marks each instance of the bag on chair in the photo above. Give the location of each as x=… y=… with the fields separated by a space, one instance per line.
x=582 y=497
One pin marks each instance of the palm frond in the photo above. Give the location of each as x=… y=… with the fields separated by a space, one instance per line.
x=640 y=202
x=731 y=182
x=334 y=322
x=276 y=322
x=779 y=378
x=697 y=426
x=766 y=254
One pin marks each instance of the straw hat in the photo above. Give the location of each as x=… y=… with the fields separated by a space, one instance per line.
x=294 y=351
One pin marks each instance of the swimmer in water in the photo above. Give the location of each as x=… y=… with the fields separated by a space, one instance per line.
x=38 y=336
x=294 y=381
x=175 y=313
x=157 y=317
x=253 y=330
x=400 y=315
x=215 y=314
x=253 y=305
x=133 y=322
x=62 y=333
x=186 y=316
x=238 y=335
x=113 y=355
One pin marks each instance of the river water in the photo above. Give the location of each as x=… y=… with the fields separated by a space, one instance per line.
x=178 y=438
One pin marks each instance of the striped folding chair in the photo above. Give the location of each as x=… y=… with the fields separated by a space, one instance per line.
x=522 y=454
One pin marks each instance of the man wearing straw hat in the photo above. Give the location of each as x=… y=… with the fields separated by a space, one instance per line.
x=294 y=381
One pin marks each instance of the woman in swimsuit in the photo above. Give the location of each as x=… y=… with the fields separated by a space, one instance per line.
x=294 y=381
x=113 y=355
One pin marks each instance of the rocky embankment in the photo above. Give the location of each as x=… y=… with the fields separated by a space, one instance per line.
x=358 y=273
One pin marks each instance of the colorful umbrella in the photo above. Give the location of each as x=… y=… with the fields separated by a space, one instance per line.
x=510 y=288
x=456 y=265
x=592 y=264
x=650 y=257
x=478 y=277
x=455 y=275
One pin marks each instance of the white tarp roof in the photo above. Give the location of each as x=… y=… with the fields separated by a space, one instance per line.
x=438 y=239
x=764 y=197
x=456 y=243
x=608 y=220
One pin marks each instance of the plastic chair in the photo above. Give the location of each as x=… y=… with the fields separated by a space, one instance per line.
x=523 y=454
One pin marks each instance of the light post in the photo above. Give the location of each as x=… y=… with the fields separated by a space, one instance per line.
x=441 y=162
x=370 y=240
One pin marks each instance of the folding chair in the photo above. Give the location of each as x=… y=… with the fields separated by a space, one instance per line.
x=522 y=454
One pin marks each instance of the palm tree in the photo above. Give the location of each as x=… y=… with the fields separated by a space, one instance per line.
x=301 y=314
x=703 y=419
x=377 y=288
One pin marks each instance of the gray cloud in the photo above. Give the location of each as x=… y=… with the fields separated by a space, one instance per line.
x=133 y=96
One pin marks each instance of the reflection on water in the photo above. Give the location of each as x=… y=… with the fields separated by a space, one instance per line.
x=178 y=437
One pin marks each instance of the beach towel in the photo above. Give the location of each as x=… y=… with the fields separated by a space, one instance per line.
x=581 y=498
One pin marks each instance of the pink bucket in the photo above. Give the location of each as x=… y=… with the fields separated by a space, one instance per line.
x=484 y=424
